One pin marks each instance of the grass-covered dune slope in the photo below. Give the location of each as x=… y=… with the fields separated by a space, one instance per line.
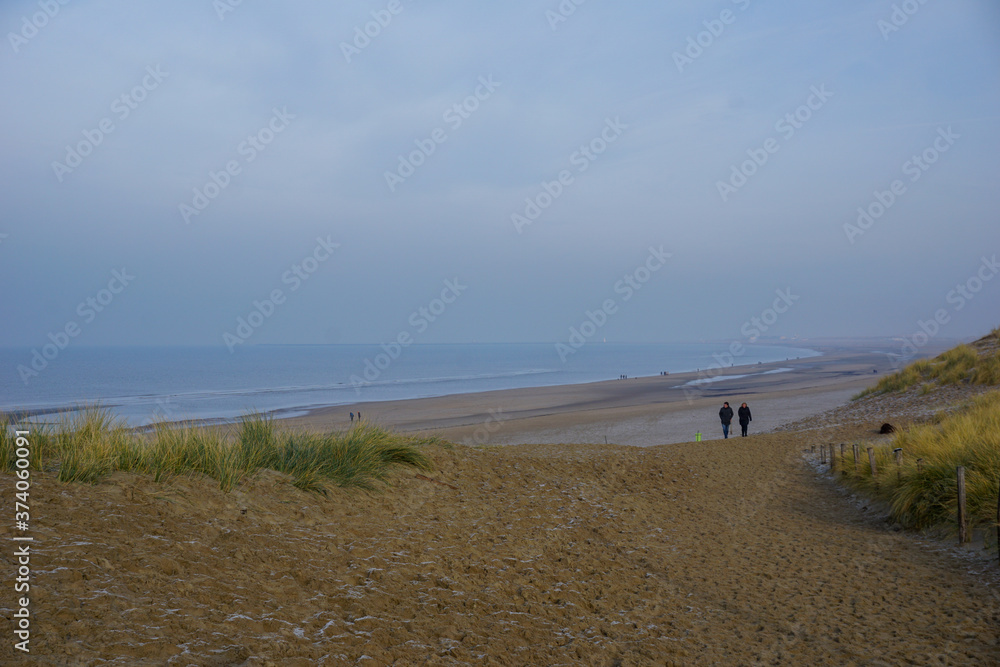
x=922 y=490
x=94 y=445
x=978 y=364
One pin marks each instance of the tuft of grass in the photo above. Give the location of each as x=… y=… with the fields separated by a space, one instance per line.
x=987 y=371
x=89 y=446
x=908 y=376
x=362 y=457
x=925 y=495
x=93 y=444
x=954 y=366
x=256 y=441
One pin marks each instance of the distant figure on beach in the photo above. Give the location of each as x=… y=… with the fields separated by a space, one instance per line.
x=359 y=415
x=352 y=416
x=745 y=418
x=726 y=415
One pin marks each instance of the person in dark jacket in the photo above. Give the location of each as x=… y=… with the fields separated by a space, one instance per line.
x=726 y=415
x=745 y=418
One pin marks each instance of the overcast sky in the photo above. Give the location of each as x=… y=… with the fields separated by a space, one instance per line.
x=204 y=150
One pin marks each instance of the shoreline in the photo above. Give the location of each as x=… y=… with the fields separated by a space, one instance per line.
x=28 y=409
x=506 y=416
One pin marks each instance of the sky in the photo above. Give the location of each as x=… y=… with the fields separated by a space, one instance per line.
x=237 y=173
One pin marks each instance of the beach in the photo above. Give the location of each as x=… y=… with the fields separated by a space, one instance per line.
x=740 y=552
x=637 y=411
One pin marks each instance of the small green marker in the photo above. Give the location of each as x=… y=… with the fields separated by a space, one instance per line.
x=697 y=437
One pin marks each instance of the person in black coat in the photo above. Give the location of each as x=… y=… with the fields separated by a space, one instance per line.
x=745 y=418
x=726 y=415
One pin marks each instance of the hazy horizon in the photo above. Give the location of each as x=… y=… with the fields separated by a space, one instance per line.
x=222 y=173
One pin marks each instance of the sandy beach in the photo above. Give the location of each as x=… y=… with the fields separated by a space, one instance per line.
x=638 y=411
x=736 y=552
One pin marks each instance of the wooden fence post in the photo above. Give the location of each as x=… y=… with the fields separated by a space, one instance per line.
x=960 y=473
x=833 y=459
x=899 y=463
x=998 y=522
x=920 y=465
x=871 y=463
x=857 y=463
x=822 y=453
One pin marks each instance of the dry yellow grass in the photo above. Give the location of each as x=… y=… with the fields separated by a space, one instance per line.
x=92 y=445
x=922 y=492
x=978 y=363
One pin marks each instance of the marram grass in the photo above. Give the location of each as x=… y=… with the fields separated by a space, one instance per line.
x=92 y=445
x=925 y=494
x=962 y=364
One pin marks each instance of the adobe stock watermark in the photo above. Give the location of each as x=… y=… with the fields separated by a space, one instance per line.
x=563 y=11
x=248 y=149
x=582 y=158
x=262 y=310
x=900 y=16
x=915 y=167
x=363 y=35
x=786 y=126
x=454 y=116
x=958 y=298
x=165 y=411
x=593 y=321
x=122 y=107
x=714 y=28
x=87 y=310
x=420 y=320
x=493 y=423
x=30 y=26
x=223 y=7
x=751 y=330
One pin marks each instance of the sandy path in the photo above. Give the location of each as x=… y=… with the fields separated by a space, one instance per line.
x=645 y=426
x=722 y=552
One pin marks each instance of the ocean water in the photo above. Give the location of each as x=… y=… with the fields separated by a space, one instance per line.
x=145 y=384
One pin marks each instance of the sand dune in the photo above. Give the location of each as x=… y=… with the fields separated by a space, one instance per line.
x=735 y=551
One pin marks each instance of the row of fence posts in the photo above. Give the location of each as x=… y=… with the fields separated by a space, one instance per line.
x=963 y=534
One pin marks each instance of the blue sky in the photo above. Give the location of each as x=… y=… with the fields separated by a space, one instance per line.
x=188 y=92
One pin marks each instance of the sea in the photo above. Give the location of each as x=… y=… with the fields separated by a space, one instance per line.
x=143 y=385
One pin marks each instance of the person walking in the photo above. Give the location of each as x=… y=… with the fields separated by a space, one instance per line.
x=745 y=418
x=352 y=416
x=726 y=415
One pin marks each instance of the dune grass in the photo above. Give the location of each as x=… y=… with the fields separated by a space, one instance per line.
x=92 y=445
x=924 y=494
x=961 y=364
